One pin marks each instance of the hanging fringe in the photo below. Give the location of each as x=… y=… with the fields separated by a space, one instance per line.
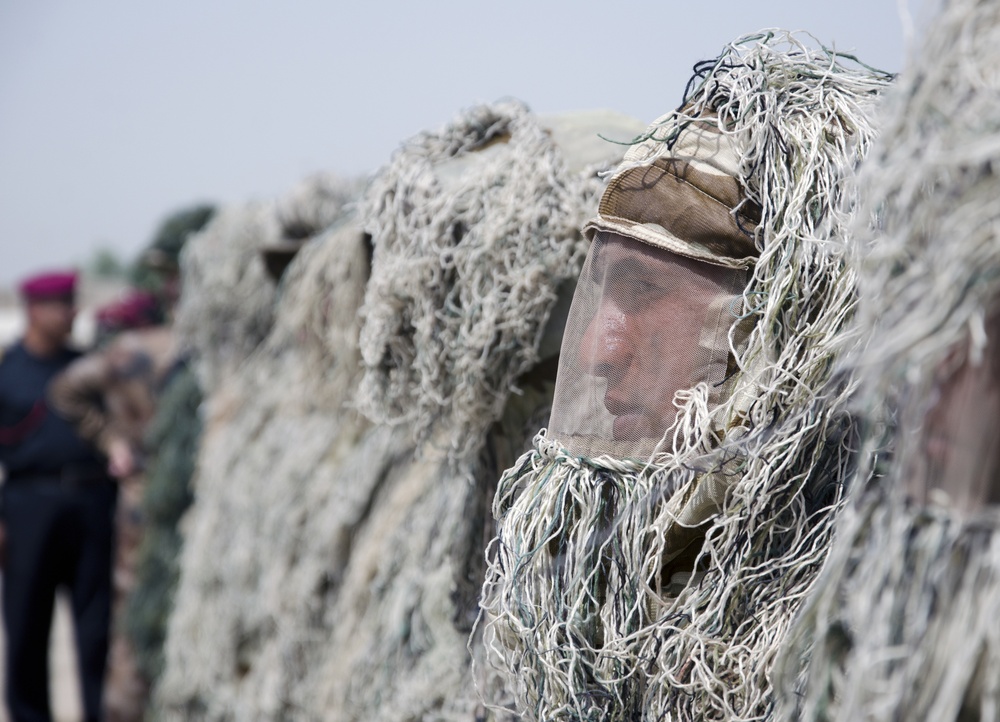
x=227 y=305
x=900 y=627
x=909 y=629
x=594 y=604
x=474 y=229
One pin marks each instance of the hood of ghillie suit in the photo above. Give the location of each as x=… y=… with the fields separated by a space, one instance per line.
x=650 y=572
x=903 y=625
x=476 y=233
x=227 y=298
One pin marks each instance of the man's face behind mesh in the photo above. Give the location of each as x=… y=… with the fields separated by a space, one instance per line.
x=645 y=323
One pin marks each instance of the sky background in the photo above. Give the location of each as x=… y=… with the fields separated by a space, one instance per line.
x=115 y=113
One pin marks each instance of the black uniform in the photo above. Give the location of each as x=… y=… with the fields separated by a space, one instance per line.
x=58 y=512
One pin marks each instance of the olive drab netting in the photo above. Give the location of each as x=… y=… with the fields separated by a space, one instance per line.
x=172 y=441
x=903 y=625
x=661 y=586
x=332 y=566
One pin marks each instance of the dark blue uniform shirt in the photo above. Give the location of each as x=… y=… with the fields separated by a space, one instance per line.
x=33 y=438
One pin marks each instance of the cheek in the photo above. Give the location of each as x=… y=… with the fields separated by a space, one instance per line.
x=60 y=318
x=656 y=357
x=652 y=340
x=670 y=343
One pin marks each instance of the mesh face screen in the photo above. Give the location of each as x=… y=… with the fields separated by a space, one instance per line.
x=957 y=450
x=645 y=323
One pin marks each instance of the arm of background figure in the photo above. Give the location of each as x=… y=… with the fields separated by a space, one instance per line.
x=78 y=393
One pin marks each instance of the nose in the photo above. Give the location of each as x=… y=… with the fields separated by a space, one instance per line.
x=606 y=348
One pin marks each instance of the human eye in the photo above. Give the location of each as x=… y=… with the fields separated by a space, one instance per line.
x=636 y=293
x=651 y=287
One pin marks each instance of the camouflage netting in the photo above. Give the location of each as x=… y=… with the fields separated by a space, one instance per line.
x=227 y=300
x=332 y=566
x=268 y=537
x=904 y=624
x=660 y=587
x=473 y=227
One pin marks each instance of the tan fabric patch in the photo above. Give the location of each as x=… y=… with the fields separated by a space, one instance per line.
x=672 y=198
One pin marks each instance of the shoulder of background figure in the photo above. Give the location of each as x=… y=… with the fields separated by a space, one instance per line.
x=6 y=352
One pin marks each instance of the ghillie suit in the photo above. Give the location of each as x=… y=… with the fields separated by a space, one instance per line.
x=475 y=229
x=655 y=544
x=227 y=301
x=268 y=421
x=162 y=255
x=332 y=565
x=305 y=213
x=476 y=234
x=284 y=473
x=903 y=625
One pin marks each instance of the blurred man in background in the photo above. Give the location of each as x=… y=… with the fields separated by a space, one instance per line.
x=58 y=501
x=111 y=397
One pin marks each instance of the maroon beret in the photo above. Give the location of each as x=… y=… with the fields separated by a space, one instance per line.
x=136 y=309
x=51 y=285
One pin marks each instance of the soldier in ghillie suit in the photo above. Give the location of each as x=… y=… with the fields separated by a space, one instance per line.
x=333 y=563
x=158 y=269
x=477 y=243
x=903 y=625
x=653 y=547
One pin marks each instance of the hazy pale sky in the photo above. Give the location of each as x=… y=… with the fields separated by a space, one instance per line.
x=114 y=113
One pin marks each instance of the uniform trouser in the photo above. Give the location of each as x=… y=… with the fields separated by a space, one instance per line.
x=58 y=536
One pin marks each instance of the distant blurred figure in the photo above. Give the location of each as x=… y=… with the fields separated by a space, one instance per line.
x=110 y=396
x=158 y=269
x=56 y=517
x=138 y=309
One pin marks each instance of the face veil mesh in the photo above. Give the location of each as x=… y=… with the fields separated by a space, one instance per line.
x=644 y=324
